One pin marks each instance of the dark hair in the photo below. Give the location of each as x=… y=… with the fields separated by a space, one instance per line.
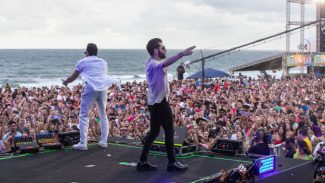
x=55 y=121
x=261 y=135
x=303 y=145
x=152 y=45
x=283 y=136
x=303 y=131
x=92 y=49
x=12 y=122
x=290 y=140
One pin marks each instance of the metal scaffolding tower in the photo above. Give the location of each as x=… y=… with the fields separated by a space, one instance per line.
x=318 y=32
x=301 y=46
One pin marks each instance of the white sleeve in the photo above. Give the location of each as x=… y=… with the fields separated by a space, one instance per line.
x=79 y=66
x=5 y=137
x=317 y=148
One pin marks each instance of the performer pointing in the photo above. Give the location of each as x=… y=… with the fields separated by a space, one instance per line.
x=94 y=73
x=160 y=111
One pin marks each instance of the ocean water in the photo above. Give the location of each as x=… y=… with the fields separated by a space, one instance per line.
x=46 y=67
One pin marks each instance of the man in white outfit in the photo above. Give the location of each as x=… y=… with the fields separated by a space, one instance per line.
x=96 y=81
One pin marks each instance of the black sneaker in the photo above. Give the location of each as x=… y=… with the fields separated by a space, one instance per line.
x=177 y=166
x=143 y=166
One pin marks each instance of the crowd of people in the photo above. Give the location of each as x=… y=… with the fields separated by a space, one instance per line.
x=289 y=111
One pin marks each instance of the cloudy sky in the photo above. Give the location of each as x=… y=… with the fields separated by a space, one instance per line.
x=218 y=24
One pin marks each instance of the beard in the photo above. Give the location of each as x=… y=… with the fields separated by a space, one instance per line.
x=162 y=55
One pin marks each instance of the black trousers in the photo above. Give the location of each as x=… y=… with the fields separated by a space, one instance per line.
x=180 y=76
x=160 y=115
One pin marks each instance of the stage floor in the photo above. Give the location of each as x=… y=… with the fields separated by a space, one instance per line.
x=117 y=164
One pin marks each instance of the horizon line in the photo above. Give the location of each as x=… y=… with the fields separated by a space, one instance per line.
x=283 y=50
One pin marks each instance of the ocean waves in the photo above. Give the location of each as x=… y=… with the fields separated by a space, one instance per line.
x=34 y=68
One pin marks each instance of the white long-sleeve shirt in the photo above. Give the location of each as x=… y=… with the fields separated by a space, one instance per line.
x=318 y=146
x=93 y=70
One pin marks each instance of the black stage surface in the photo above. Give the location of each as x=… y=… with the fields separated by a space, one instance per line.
x=117 y=164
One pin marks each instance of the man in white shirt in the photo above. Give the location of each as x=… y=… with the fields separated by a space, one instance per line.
x=94 y=73
x=8 y=138
x=160 y=111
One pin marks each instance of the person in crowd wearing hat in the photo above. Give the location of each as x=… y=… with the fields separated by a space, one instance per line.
x=96 y=82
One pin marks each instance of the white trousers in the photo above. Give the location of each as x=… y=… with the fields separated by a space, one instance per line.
x=88 y=98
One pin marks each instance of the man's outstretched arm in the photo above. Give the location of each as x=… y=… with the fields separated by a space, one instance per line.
x=169 y=61
x=70 y=79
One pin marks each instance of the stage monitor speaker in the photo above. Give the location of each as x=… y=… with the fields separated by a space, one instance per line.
x=69 y=138
x=179 y=136
x=48 y=140
x=228 y=147
x=26 y=145
x=31 y=147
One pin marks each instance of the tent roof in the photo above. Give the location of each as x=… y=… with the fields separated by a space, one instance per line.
x=209 y=73
x=269 y=63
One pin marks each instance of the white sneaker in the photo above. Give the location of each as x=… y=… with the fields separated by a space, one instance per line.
x=102 y=144
x=79 y=146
